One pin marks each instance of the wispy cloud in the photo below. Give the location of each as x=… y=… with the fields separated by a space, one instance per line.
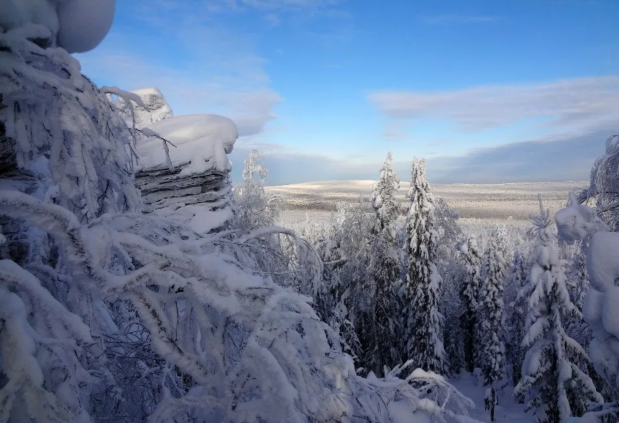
x=568 y=158
x=457 y=19
x=583 y=104
x=204 y=67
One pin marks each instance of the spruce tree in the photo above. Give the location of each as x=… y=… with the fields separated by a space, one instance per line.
x=469 y=295
x=424 y=321
x=384 y=268
x=490 y=317
x=553 y=382
x=518 y=281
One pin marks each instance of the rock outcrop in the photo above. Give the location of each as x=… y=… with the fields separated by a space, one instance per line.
x=193 y=185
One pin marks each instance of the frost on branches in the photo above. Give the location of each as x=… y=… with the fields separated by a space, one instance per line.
x=109 y=314
x=51 y=116
x=553 y=382
x=424 y=321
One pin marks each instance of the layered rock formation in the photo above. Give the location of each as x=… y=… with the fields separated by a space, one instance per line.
x=191 y=184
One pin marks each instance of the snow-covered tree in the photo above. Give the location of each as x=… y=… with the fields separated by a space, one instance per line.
x=384 y=203
x=253 y=207
x=469 y=295
x=553 y=382
x=518 y=285
x=424 y=325
x=578 y=222
x=490 y=318
x=604 y=185
x=383 y=321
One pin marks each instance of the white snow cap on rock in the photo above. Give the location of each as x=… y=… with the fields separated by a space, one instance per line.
x=155 y=108
x=201 y=140
x=77 y=25
x=158 y=107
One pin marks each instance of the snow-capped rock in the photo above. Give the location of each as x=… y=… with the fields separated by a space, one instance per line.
x=76 y=25
x=83 y=24
x=197 y=189
x=157 y=108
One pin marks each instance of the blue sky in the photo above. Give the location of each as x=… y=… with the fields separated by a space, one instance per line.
x=487 y=91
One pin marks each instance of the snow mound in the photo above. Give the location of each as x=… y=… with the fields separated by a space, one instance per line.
x=610 y=312
x=202 y=141
x=76 y=25
x=84 y=23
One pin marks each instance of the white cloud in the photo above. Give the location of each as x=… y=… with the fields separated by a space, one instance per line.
x=211 y=69
x=583 y=104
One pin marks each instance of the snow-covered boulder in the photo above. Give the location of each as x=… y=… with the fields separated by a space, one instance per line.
x=75 y=25
x=193 y=184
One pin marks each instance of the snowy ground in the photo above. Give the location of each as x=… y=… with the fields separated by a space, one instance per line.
x=478 y=205
x=508 y=411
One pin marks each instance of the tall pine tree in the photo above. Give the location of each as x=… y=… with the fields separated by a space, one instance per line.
x=552 y=381
x=424 y=321
x=490 y=317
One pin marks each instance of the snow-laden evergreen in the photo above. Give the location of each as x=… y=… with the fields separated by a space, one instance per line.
x=491 y=319
x=577 y=222
x=469 y=294
x=424 y=324
x=383 y=319
x=384 y=203
x=517 y=311
x=253 y=207
x=553 y=382
x=604 y=184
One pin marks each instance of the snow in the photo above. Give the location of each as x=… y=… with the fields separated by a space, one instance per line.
x=601 y=308
x=201 y=140
x=16 y=13
x=84 y=23
x=156 y=109
x=507 y=410
x=610 y=311
x=77 y=25
x=592 y=308
x=603 y=260
x=199 y=217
